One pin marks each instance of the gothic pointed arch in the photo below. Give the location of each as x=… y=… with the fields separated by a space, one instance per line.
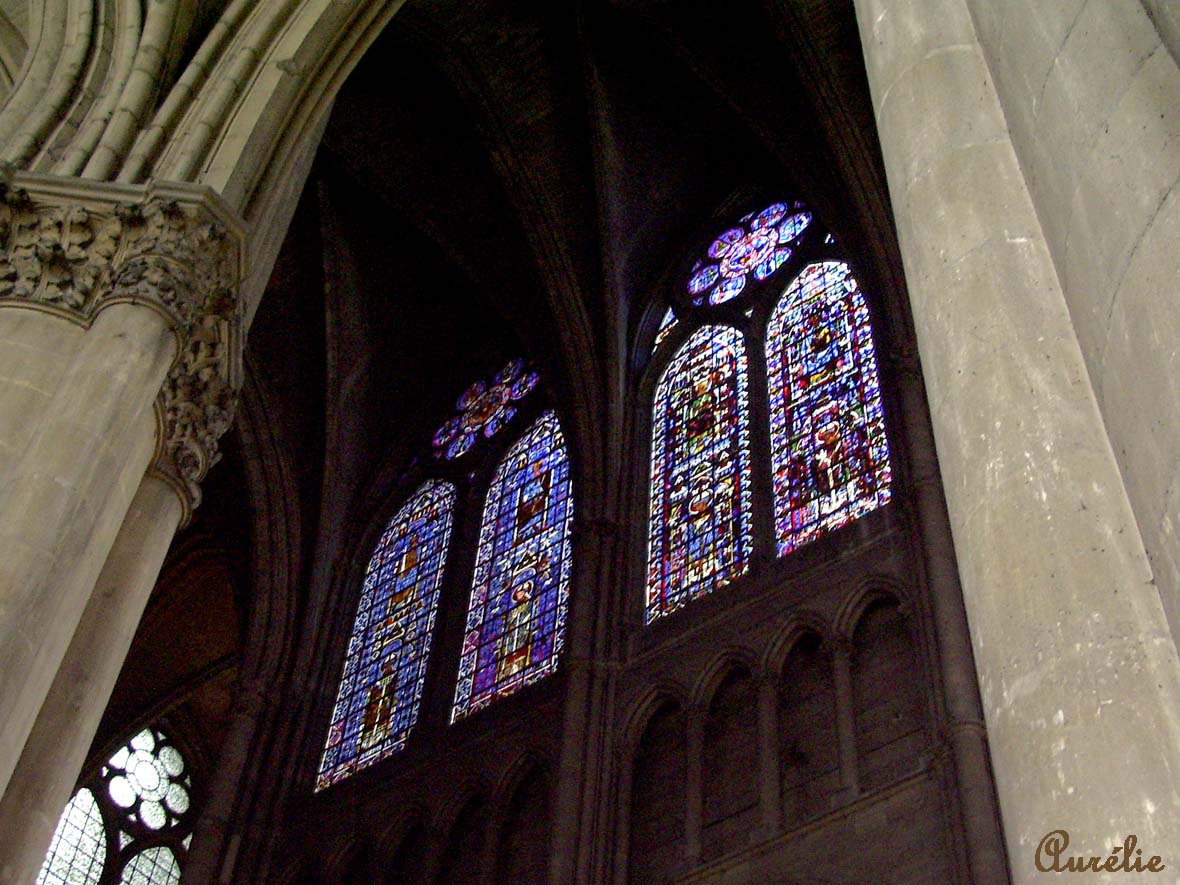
x=515 y=624
x=385 y=666
x=700 y=530
x=827 y=425
x=129 y=822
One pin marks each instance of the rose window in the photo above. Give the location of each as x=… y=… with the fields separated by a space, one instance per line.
x=484 y=409
x=759 y=247
x=147 y=779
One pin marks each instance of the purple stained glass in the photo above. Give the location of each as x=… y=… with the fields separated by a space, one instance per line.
x=516 y=617
x=385 y=665
x=700 y=531
x=759 y=247
x=484 y=409
x=827 y=428
x=667 y=324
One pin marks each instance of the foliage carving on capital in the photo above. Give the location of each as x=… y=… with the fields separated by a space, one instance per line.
x=73 y=253
x=196 y=406
x=76 y=256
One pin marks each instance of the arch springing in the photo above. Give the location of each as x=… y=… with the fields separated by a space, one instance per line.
x=385 y=666
x=829 y=452
x=516 y=617
x=700 y=533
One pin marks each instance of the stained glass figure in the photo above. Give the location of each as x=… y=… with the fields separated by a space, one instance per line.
x=78 y=851
x=700 y=530
x=484 y=409
x=757 y=247
x=827 y=429
x=385 y=665
x=516 y=619
x=667 y=324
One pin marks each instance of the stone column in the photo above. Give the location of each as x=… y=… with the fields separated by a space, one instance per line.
x=769 y=789
x=56 y=749
x=845 y=718
x=694 y=810
x=1079 y=677
x=147 y=277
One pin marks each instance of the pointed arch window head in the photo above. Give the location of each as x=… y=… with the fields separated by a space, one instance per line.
x=385 y=666
x=700 y=529
x=758 y=246
x=78 y=851
x=829 y=451
x=516 y=616
x=484 y=409
x=142 y=795
x=667 y=324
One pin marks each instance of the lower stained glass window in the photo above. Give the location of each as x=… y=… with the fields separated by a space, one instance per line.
x=516 y=618
x=79 y=847
x=141 y=796
x=700 y=532
x=827 y=428
x=385 y=666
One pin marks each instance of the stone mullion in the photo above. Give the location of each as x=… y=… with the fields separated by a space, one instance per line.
x=56 y=748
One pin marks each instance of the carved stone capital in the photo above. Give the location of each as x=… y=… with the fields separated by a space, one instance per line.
x=72 y=248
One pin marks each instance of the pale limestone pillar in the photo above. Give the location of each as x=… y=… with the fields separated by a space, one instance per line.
x=1079 y=677
x=56 y=749
x=133 y=292
x=61 y=503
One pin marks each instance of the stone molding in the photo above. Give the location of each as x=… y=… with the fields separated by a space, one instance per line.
x=72 y=248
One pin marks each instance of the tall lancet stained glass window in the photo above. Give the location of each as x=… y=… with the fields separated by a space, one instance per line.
x=516 y=618
x=385 y=665
x=700 y=531
x=827 y=429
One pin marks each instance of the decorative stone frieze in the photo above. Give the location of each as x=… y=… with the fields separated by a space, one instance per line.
x=73 y=248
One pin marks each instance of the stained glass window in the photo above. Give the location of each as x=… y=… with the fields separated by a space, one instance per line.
x=827 y=428
x=152 y=866
x=516 y=618
x=667 y=324
x=147 y=779
x=484 y=409
x=757 y=247
x=700 y=535
x=385 y=665
x=78 y=850
x=141 y=795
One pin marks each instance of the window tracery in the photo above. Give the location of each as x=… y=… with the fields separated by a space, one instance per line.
x=823 y=437
x=130 y=823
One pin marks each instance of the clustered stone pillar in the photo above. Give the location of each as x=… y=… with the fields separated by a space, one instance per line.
x=1079 y=675
x=126 y=362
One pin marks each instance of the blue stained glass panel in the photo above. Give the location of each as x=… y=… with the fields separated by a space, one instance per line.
x=381 y=688
x=759 y=247
x=700 y=531
x=829 y=451
x=484 y=409
x=667 y=324
x=519 y=594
